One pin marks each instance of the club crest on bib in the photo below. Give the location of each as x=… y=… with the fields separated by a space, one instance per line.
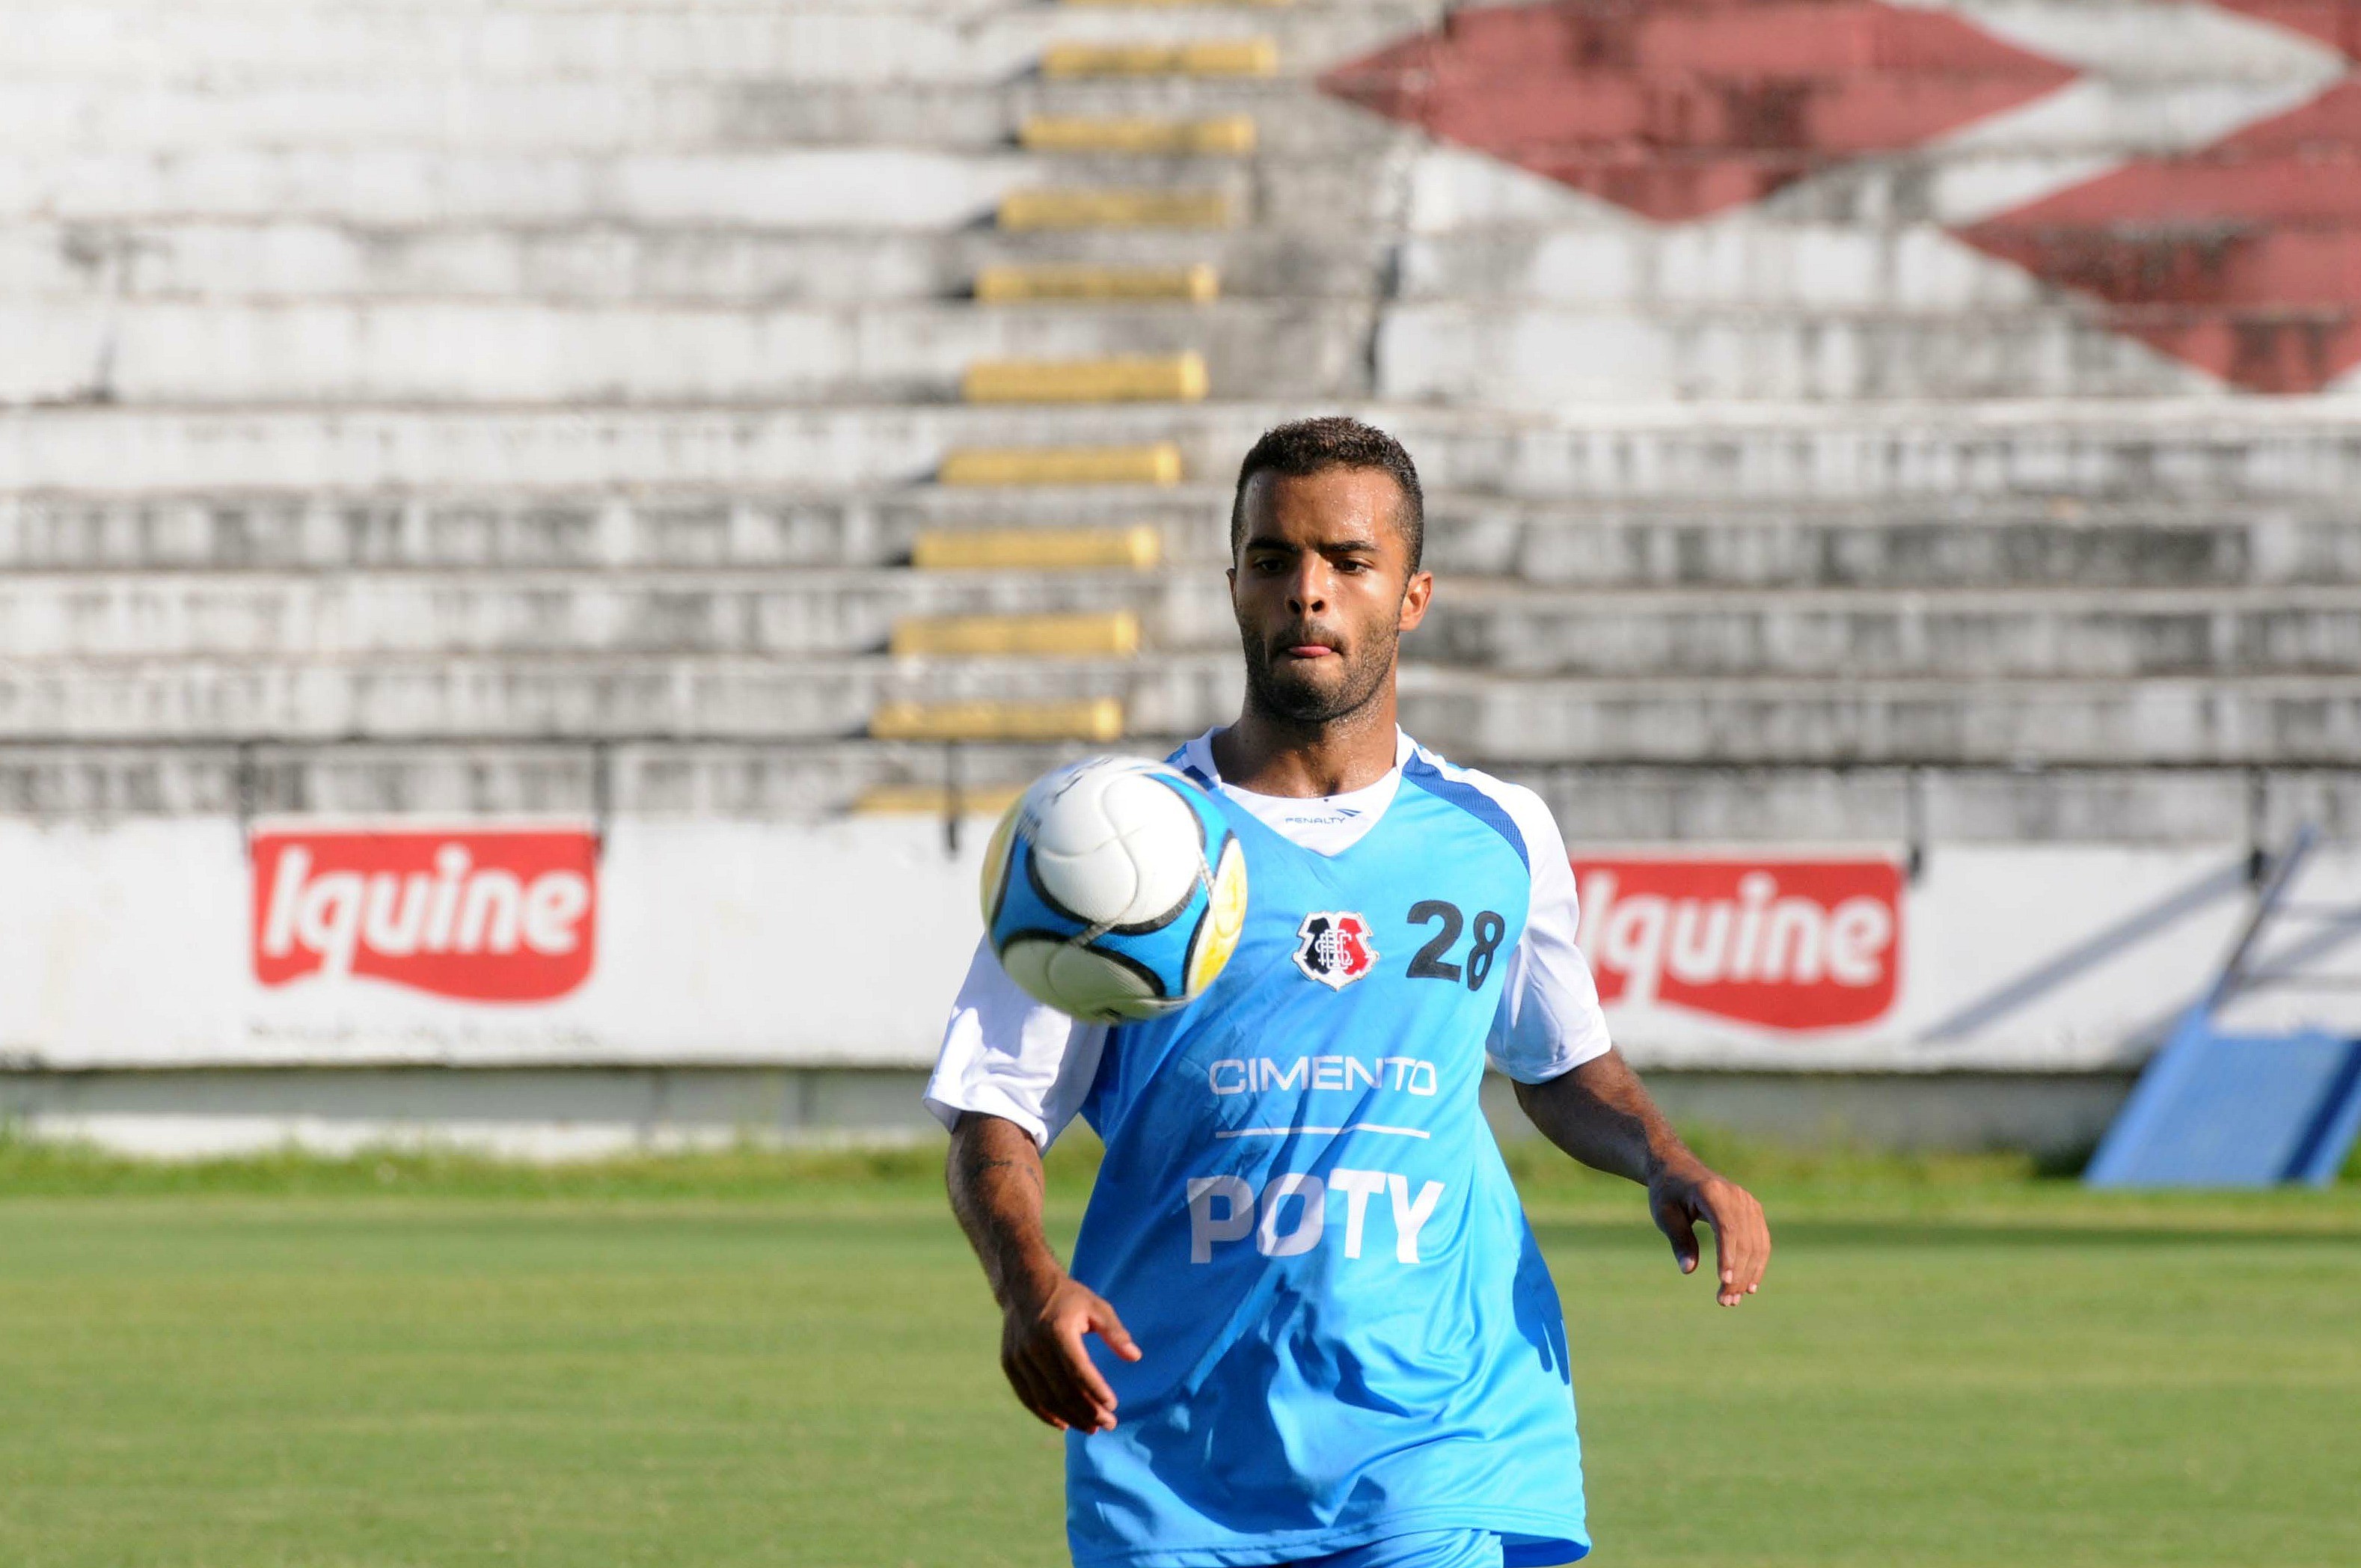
x=1334 y=947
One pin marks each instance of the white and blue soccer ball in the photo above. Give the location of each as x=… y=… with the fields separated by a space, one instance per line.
x=1113 y=890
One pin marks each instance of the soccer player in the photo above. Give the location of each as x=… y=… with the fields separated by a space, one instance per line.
x=1327 y=1334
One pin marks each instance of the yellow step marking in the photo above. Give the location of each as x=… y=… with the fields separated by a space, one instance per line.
x=1115 y=633
x=1154 y=464
x=1164 y=378
x=1092 y=719
x=1174 y=5
x=1058 y=133
x=1014 y=284
x=1049 y=208
x=934 y=800
x=1199 y=57
x=1137 y=547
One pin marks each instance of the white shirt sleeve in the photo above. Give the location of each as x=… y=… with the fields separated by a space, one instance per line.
x=1549 y=1021
x=1007 y=1054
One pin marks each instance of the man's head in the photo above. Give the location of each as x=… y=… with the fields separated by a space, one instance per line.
x=1326 y=533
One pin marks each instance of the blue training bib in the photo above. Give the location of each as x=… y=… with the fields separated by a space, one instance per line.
x=1349 y=1330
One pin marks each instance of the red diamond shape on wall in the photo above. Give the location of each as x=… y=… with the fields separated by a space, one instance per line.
x=2337 y=23
x=2243 y=258
x=1678 y=109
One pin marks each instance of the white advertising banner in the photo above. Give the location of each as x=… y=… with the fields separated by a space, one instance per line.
x=190 y=941
x=2004 y=957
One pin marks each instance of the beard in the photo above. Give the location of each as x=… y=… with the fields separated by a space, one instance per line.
x=1288 y=690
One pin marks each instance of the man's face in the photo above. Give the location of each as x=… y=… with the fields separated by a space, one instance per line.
x=1323 y=590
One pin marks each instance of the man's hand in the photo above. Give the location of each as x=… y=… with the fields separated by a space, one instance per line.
x=1600 y=1115
x=1041 y=1350
x=994 y=1174
x=1680 y=1196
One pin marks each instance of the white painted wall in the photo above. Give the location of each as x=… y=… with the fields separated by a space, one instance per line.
x=743 y=942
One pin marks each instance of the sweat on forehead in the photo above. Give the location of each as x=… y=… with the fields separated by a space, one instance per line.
x=1307 y=446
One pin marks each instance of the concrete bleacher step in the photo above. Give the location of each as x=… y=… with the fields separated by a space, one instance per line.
x=66 y=617
x=629 y=263
x=142 y=40
x=2281 y=719
x=1968 y=541
x=1547 y=358
x=1378 y=183
x=1619 y=803
x=1516 y=630
x=426 y=351
x=588 y=778
x=866 y=188
x=954 y=526
x=2300 y=719
x=2197 y=449
x=1373 y=188
x=1465 y=241
x=1880 y=807
x=423 y=352
x=602 y=114
x=718 y=265
x=1861 y=272
x=558 y=111
x=583 y=696
x=1745 y=260
x=515 y=352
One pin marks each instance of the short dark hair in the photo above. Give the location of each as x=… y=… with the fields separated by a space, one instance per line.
x=1306 y=447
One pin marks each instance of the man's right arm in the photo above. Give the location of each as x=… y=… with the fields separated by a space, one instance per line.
x=994 y=1176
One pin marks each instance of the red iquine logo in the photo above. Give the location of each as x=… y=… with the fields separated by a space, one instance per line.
x=480 y=916
x=1782 y=944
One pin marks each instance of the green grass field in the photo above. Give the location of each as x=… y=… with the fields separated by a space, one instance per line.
x=756 y=1359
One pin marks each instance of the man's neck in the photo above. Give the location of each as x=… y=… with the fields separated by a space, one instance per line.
x=1270 y=755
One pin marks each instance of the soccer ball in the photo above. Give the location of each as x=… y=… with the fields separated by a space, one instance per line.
x=1113 y=890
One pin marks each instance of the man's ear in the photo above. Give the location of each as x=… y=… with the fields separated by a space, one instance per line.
x=1416 y=593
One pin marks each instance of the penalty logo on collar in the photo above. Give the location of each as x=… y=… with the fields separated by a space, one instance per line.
x=1334 y=947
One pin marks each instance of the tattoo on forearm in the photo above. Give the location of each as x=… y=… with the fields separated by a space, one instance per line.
x=996 y=1190
x=976 y=1165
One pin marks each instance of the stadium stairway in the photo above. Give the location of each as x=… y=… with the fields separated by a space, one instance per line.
x=419 y=406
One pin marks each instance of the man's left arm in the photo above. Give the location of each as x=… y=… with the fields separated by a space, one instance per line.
x=1600 y=1113
x=1551 y=1038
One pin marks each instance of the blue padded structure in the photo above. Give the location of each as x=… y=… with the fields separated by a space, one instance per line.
x=2221 y=1110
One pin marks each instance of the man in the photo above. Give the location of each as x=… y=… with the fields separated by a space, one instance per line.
x=1329 y=1335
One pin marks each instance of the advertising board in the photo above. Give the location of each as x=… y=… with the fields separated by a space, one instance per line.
x=201 y=942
